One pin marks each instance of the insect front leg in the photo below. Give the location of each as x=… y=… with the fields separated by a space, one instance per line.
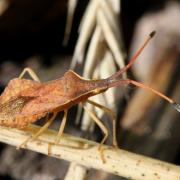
x=31 y=72
x=61 y=128
x=102 y=127
x=113 y=117
x=41 y=130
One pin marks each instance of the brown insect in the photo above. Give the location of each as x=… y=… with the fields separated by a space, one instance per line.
x=25 y=101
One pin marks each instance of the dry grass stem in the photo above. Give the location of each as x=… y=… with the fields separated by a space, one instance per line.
x=70 y=15
x=84 y=152
x=86 y=28
x=111 y=39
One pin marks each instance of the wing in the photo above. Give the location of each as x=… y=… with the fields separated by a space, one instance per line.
x=15 y=86
x=11 y=103
x=25 y=101
x=10 y=113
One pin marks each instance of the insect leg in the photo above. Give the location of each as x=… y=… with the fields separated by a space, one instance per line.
x=32 y=74
x=102 y=127
x=61 y=128
x=41 y=130
x=113 y=117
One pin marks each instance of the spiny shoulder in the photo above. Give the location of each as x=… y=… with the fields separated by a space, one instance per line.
x=73 y=75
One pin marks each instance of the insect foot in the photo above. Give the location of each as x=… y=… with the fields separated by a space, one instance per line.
x=101 y=152
x=24 y=143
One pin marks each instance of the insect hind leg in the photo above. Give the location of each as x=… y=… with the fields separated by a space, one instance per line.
x=113 y=117
x=31 y=72
x=41 y=130
x=102 y=127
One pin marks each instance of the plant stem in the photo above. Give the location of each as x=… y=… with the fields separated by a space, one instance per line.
x=84 y=152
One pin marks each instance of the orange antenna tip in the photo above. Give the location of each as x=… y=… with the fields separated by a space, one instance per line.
x=176 y=106
x=152 y=34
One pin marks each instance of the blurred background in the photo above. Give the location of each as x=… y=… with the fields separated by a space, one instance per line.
x=32 y=34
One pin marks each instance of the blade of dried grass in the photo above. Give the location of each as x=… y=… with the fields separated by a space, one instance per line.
x=86 y=29
x=111 y=39
x=84 y=152
x=70 y=16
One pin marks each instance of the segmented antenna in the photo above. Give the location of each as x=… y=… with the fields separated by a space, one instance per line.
x=134 y=58
x=114 y=82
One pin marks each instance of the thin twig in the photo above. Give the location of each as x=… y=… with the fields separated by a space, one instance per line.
x=84 y=152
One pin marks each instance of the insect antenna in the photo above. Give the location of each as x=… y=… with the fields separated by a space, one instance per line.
x=134 y=58
x=114 y=82
x=175 y=105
